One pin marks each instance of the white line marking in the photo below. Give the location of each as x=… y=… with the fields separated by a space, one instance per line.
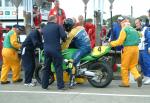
x=74 y=93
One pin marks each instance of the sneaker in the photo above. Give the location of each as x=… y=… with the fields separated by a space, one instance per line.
x=30 y=84
x=6 y=82
x=145 y=78
x=18 y=81
x=147 y=81
x=139 y=81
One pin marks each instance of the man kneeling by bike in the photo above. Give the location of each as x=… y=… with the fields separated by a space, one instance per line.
x=77 y=38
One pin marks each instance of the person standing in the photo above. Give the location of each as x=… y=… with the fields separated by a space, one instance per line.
x=80 y=21
x=103 y=32
x=114 y=33
x=52 y=34
x=91 y=31
x=129 y=37
x=33 y=41
x=10 y=56
x=145 y=52
x=59 y=12
x=1 y=42
x=89 y=28
x=140 y=29
x=146 y=56
x=37 y=17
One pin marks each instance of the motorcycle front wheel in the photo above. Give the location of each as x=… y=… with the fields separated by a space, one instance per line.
x=38 y=74
x=103 y=75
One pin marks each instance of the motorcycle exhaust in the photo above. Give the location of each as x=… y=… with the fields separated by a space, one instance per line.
x=88 y=73
x=85 y=72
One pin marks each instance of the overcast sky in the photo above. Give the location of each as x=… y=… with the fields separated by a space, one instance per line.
x=73 y=8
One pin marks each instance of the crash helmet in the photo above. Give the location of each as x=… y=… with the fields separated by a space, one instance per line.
x=19 y=27
x=68 y=24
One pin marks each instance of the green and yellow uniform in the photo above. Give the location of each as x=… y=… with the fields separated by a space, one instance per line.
x=10 y=56
x=129 y=38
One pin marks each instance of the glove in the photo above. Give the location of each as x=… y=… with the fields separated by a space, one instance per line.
x=149 y=50
x=107 y=44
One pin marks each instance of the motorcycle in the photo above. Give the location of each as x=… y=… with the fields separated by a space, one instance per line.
x=94 y=66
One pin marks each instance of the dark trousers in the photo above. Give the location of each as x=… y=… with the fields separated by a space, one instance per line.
x=28 y=62
x=54 y=57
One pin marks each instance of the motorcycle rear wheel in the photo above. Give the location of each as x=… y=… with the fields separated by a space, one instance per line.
x=104 y=75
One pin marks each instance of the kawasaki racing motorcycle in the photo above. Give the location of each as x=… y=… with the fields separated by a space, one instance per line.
x=94 y=67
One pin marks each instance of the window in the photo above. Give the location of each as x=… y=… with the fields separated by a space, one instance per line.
x=8 y=3
x=46 y=5
x=0 y=2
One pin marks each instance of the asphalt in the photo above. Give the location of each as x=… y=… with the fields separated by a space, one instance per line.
x=83 y=93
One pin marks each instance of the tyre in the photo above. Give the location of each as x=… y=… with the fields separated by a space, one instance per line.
x=38 y=74
x=104 y=75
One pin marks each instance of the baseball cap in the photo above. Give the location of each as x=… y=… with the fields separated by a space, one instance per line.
x=120 y=18
x=35 y=6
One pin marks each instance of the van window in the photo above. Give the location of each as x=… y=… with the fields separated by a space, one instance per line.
x=0 y=3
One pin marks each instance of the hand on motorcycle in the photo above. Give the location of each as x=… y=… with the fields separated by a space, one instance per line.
x=107 y=44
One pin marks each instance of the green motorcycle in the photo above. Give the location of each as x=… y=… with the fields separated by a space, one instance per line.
x=94 y=66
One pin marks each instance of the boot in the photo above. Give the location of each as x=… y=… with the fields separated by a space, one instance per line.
x=6 y=82
x=139 y=81
x=72 y=81
x=18 y=81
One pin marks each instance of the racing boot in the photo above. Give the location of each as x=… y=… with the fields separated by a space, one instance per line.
x=72 y=82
